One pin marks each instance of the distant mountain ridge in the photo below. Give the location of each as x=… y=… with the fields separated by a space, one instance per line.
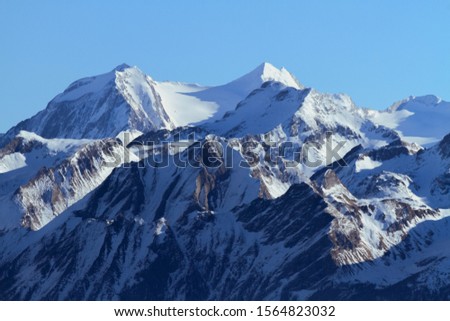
x=126 y=188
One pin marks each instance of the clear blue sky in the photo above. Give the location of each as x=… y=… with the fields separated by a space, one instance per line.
x=377 y=52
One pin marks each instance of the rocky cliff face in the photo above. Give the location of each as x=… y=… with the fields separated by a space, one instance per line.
x=54 y=189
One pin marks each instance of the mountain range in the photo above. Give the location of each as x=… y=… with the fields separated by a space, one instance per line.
x=127 y=188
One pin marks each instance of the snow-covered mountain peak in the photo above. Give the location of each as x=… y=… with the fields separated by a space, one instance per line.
x=269 y=72
x=122 y=67
x=261 y=74
x=413 y=102
x=99 y=107
x=188 y=104
x=96 y=85
x=86 y=86
x=126 y=72
x=422 y=120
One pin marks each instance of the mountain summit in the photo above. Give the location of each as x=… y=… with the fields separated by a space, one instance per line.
x=99 y=107
x=261 y=74
x=127 y=99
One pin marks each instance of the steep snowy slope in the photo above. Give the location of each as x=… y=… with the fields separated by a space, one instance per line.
x=297 y=110
x=173 y=233
x=229 y=95
x=31 y=153
x=20 y=161
x=100 y=107
x=55 y=189
x=193 y=104
x=416 y=269
x=402 y=187
x=41 y=177
x=201 y=233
